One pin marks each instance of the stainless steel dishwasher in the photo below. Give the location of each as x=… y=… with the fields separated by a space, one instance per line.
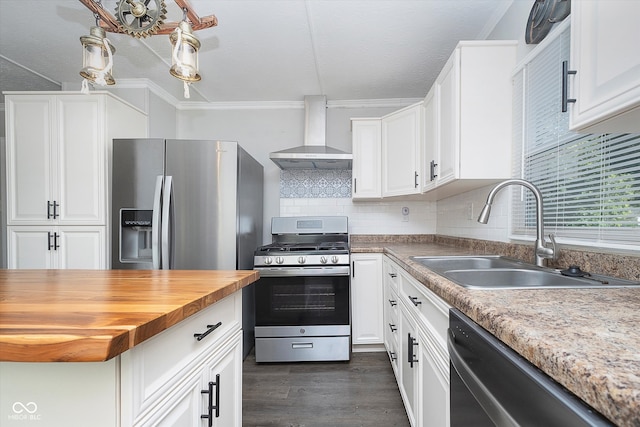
x=491 y=385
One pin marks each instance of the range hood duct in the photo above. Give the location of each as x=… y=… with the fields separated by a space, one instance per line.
x=314 y=154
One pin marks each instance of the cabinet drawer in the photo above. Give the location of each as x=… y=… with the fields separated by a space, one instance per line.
x=427 y=306
x=154 y=366
x=391 y=275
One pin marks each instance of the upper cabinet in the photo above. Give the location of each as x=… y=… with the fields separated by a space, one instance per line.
x=604 y=54
x=57 y=155
x=467 y=120
x=401 y=147
x=366 y=136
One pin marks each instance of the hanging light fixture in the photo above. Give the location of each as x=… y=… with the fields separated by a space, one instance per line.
x=140 y=19
x=184 y=56
x=97 y=57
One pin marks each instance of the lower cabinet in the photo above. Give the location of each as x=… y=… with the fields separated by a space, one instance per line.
x=422 y=367
x=57 y=247
x=210 y=396
x=171 y=379
x=366 y=296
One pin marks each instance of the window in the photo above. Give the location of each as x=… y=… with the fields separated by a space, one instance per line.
x=590 y=183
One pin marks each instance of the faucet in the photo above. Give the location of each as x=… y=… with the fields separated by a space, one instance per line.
x=542 y=252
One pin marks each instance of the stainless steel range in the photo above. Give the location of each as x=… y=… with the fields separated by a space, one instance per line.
x=303 y=295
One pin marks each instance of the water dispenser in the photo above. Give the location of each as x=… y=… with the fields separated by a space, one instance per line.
x=135 y=235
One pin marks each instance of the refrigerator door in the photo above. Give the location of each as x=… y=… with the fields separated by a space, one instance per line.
x=204 y=177
x=137 y=165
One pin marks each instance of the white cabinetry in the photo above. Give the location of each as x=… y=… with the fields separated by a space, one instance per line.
x=42 y=247
x=604 y=52
x=366 y=296
x=401 y=148
x=159 y=382
x=423 y=371
x=468 y=119
x=58 y=152
x=367 y=151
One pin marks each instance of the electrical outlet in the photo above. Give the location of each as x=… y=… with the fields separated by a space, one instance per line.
x=405 y=214
x=470 y=211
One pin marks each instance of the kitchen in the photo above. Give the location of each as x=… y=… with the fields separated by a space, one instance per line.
x=275 y=129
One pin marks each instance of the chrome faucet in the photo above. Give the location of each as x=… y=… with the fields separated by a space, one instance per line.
x=542 y=252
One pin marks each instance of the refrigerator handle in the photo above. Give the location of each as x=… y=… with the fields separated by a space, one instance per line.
x=156 y=223
x=167 y=224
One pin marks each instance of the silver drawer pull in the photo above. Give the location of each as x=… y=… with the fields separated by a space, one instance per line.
x=302 y=345
x=212 y=328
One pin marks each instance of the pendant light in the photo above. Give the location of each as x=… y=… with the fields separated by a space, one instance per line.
x=97 y=58
x=184 y=56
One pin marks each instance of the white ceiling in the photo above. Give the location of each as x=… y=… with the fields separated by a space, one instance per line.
x=261 y=50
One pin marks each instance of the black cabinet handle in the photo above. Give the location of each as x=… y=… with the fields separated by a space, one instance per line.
x=212 y=328
x=415 y=300
x=393 y=356
x=210 y=406
x=432 y=174
x=392 y=327
x=353 y=269
x=55 y=241
x=411 y=358
x=355 y=185
x=393 y=275
x=49 y=245
x=55 y=206
x=393 y=302
x=415 y=180
x=565 y=86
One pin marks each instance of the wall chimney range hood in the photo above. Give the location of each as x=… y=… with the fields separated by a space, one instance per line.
x=314 y=154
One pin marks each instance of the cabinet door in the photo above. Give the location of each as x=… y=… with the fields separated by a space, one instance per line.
x=448 y=104
x=367 y=167
x=401 y=144
x=82 y=247
x=409 y=360
x=29 y=247
x=604 y=52
x=182 y=408
x=41 y=247
x=434 y=389
x=430 y=141
x=30 y=126
x=81 y=157
x=366 y=297
x=227 y=370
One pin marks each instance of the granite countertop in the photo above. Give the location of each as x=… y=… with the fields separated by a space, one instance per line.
x=586 y=339
x=95 y=315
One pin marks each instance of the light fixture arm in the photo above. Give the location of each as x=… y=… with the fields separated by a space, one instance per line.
x=110 y=23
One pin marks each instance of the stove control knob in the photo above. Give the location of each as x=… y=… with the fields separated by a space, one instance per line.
x=268 y=260
x=301 y=260
x=334 y=259
x=279 y=260
x=323 y=259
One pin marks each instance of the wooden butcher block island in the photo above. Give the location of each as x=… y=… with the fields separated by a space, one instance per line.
x=140 y=346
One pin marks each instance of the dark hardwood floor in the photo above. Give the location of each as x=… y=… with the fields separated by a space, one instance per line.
x=362 y=392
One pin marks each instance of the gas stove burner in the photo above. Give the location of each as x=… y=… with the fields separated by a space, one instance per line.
x=333 y=246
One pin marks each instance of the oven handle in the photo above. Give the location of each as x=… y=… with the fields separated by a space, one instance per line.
x=303 y=271
x=482 y=394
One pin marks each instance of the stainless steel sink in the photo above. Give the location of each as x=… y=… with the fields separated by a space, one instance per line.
x=446 y=263
x=495 y=272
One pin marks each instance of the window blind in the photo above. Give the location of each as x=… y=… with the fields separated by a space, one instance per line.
x=590 y=183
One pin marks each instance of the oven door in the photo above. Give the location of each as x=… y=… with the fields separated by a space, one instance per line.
x=302 y=300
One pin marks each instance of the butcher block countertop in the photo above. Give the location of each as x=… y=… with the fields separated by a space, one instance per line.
x=586 y=339
x=94 y=315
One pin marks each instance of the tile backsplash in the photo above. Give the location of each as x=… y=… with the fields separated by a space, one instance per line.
x=312 y=183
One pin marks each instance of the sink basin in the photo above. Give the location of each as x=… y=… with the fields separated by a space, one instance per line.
x=446 y=263
x=495 y=272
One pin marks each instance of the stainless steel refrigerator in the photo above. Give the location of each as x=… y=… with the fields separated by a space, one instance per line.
x=189 y=205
